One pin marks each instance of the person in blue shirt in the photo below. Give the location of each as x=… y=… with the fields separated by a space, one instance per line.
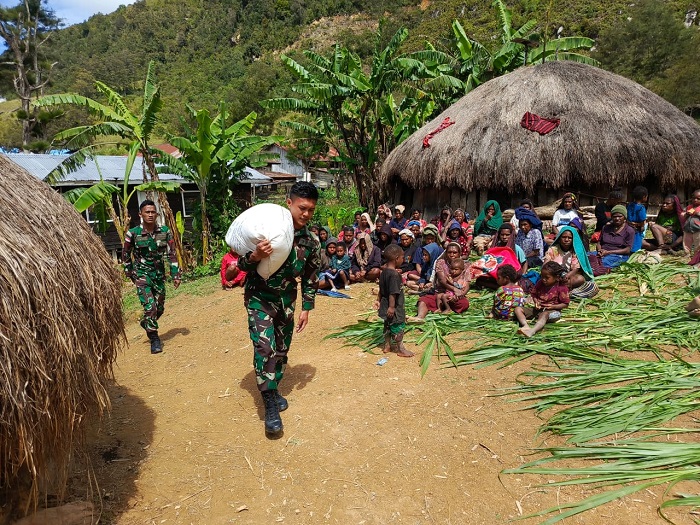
x=637 y=215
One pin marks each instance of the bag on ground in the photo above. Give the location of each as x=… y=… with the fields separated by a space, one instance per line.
x=264 y=221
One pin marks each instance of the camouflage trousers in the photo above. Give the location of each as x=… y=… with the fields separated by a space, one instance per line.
x=151 y=292
x=271 y=326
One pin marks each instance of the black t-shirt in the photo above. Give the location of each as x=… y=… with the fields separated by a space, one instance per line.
x=390 y=284
x=409 y=255
x=602 y=215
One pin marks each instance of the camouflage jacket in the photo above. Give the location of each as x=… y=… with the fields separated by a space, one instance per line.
x=303 y=261
x=143 y=253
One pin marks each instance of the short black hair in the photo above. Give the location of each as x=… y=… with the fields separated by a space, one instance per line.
x=348 y=229
x=555 y=269
x=509 y=272
x=391 y=252
x=639 y=192
x=147 y=202
x=304 y=190
x=379 y=220
x=341 y=244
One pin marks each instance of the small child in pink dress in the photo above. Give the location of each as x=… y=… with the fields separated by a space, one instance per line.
x=231 y=274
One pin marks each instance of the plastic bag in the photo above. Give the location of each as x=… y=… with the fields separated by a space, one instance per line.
x=264 y=221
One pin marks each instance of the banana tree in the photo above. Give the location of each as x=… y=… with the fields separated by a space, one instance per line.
x=215 y=149
x=117 y=125
x=354 y=106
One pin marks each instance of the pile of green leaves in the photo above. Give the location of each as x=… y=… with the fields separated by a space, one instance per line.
x=618 y=372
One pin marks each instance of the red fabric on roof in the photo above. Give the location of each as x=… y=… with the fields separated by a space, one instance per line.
x=539 y=124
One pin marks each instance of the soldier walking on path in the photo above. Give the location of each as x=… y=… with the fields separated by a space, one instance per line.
x=270 y=303
x=144 y=249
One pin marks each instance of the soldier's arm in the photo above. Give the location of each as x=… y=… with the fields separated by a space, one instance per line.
x=309 y=279
x=127 y=253
x=172 y=257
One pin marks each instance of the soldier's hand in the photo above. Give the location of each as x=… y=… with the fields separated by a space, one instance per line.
x=262 y=250
x=303 y=320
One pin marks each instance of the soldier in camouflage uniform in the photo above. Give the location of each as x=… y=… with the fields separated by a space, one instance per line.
x=270 y=303
x=143 y=252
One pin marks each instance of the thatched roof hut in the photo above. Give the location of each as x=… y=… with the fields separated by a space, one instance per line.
x=612 y=132
x=60 y=328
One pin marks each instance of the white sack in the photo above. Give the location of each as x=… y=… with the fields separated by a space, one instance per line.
x=264 y=221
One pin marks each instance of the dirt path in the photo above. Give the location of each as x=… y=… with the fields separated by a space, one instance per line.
x=363 y=444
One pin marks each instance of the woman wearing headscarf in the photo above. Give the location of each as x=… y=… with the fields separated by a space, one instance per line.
x=365 y=224
x=486 y=225
x=385 y=237
x=503 y=250
x=568 y=251
x=616 y=239
x=524 y=204
x=529 y=237
x=442 y=221
x=366 y=260
x=430 y=254
x=324 y=233
x=412 y=256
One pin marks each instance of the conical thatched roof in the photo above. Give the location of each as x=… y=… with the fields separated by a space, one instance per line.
x=60 y=328
x=612 y=131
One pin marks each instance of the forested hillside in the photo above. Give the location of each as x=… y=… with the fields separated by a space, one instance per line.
x=212 y=50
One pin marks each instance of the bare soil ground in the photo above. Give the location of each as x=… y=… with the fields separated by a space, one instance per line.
x=363 y=444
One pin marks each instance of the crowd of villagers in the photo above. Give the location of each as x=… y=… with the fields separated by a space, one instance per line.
x=534 y=272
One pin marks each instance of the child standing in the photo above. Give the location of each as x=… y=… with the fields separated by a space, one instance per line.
x=390 y=302
x=549 y=297
x=509 y=294
x=637 y=216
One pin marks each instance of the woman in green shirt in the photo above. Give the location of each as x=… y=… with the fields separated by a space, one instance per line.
x=668 y=227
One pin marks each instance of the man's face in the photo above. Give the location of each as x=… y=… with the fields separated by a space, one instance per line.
x=302 y=210
x=348 y=236
x=148 y=215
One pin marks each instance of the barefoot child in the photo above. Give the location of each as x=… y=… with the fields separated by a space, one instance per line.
x=509 y=294
x=455 y=280
x=390 y=302
x=549 y=297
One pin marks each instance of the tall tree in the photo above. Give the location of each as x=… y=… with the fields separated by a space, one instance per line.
x=117 y=124
x=26 y=28
x=216 y=150
x=363 y=112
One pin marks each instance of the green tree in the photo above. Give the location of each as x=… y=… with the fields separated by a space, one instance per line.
x=645 y=42
x=117 y=124
x=216 y=150
x=26 y=29
x=363 y=112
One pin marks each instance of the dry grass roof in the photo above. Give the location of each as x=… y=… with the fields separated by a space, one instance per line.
x=613 y=131
x=60 y=328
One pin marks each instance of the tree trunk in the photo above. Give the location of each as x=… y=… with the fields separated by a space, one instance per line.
x=205 y=226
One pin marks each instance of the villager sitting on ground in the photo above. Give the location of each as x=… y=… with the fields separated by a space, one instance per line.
x=549 y=297
x=691 y=228
x=667 y=229
x=347 y=235
x=325 y=263
x=566 y=212
x=415 y=228
x=568 y=251
x=637 y=216
x=442 y=221
x=385 y=238
x=529 y=237
x=231 y=274
x=366 y=260
x=616 y=239
x=398 y=221
x=431 y=252
x=503 y=250
x=324 y=233
x=417 y=215
x=390 y=302
x=374 y=236
x=430 y=234
x=412 y=257
x=384 y=213
x=457 y=278
x=487 y=224
x=525 y=204
x=455 y=233
x=428 y=303
x=365 y=225
x=603 y=209
x=509 y=294
x=338 y=274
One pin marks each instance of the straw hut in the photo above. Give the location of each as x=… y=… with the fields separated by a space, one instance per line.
x=612 y=132
x=60 y=328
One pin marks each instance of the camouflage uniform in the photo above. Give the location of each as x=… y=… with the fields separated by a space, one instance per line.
x=143 y=263
x=270 y=305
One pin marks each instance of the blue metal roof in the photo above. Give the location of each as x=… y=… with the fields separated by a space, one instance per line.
x=112 y=168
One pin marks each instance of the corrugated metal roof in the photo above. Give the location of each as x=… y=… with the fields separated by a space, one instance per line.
x=111 y=166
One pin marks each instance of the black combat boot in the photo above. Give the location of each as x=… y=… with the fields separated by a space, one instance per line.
x=156 y=345
x=273 y=422
x=281 y=402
